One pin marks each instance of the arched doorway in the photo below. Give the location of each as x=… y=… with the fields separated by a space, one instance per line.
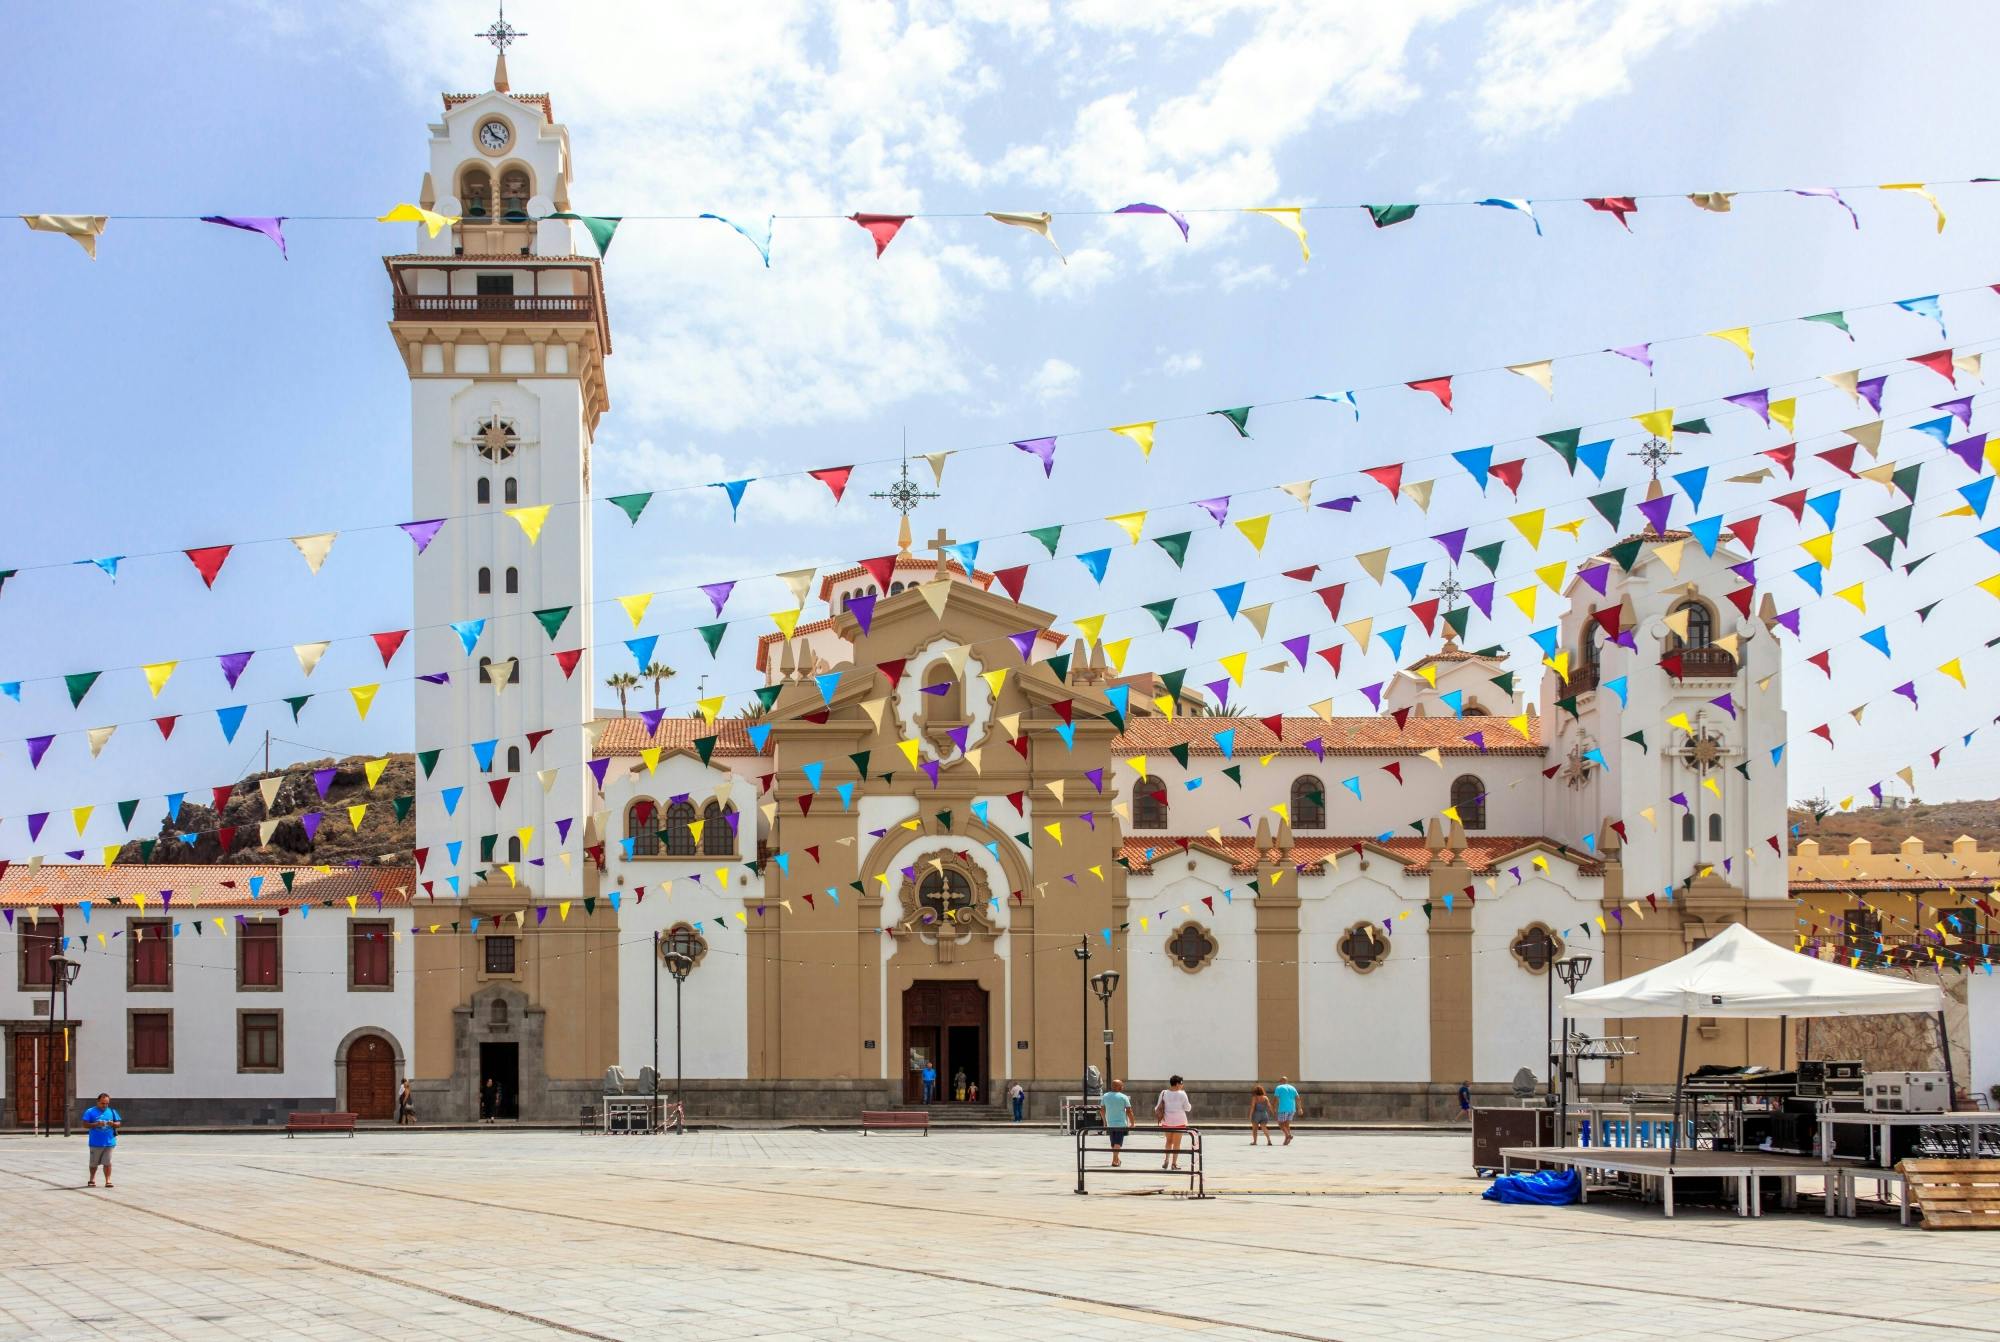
x=371 y=1077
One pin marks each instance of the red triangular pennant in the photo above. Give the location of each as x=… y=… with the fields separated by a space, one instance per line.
x=1939 y=363
x=536 y=738
x=1427 y=611
x=1064 y=709
x=1402 y=717
x=1275 y=724
x=880 y=570
x=1011 y=580
x=805 y=803
x=498 y=787
x=1784 y=456
x=208 y=561
x=881 y=227
x=1840 y=458
x=1019 y=801
x=1389 y=477
x=1302 y=574
x=1332 y=656
x=834 y=478
x=166 y=726
x=1794 y=503
x=387 y=643
x=1745 y=533
x=1671 y=664
x=420 y=854
x=1394 y=770
x=1439 y=387
x=1332 y=596
x=1742 y=597
x=218 y=798
x=1611 y=619
x=1824 y=661
x=893 y=670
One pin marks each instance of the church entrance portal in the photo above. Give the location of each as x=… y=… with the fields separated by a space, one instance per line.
x=500 y=1081
x=944 y=1024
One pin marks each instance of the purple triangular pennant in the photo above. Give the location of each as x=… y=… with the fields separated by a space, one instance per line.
x=1759 y=401
x=862 y=608
x=1024 y=643
x=597 y=768
x=1482 y=597
x=1297 y=647
x=1042 y=448
x=1655 y=512
x=232 y=666
x=1870 y=390
x=718 y=592
x=1453 y=543
x=1596 y=575
x=423 y=533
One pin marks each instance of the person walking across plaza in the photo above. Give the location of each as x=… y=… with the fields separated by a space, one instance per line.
x=1019 y=1099
x=101 y=1122
x=1117 y=1118
x=1287 y=1096
x=1465 y=1101
x=1260 y=1115
x=406 y=1106
x=930 y=1081
x=1173 y=1109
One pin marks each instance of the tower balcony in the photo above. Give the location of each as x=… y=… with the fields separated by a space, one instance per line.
x=495 y=308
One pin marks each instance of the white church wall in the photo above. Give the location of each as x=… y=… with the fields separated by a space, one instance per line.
x=1983 y=1017
x=1201 y=1024
x=1510 y=1003
x=1355 y=1026
x=1513 y=791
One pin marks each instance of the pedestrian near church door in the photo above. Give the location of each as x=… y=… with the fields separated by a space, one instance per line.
x=371 y=1078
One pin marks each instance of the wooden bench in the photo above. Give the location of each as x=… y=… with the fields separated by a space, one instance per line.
x=896 y=1118
x=319 y=1121
x=1954 y=1194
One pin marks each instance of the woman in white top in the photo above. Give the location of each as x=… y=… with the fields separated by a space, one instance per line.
x=1173 y=1109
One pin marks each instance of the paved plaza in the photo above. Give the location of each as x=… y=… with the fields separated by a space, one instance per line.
x=960 y=1234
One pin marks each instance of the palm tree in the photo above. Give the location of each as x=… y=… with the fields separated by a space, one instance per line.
x=659 y=673
x=624 y=683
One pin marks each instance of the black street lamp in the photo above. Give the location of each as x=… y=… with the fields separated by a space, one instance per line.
x=62 y=973
x=1571 y=970
x=1083 y=1101
x=678 y=963
x=1104 y=985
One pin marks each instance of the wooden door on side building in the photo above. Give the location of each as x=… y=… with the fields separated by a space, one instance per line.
x=31 y=1054
x=371 y=1077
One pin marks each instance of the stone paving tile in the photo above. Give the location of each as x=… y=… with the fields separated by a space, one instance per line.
x=800 y=1234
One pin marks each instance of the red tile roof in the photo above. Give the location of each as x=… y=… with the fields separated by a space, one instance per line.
x=538 y=100
x=1311 y=852
x=221 y=886
x=627 y=736
x=903 y=562
x=1342 y=736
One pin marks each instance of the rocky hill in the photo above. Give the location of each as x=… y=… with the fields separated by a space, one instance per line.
x=1936 y=823
x=382 y=836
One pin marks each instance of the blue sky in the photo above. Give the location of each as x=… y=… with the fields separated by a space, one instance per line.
x=189 y=388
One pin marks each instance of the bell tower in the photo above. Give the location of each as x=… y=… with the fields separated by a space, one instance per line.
x=502 y=329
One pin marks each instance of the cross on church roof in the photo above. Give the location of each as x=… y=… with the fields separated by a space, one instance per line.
x=938 y=543
x=501 y=33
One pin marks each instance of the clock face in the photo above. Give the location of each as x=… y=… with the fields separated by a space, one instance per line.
x=495 y=135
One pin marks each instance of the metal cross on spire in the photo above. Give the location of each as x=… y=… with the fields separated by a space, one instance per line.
x=904 y=494
x=501 y=33
x=1448 y=592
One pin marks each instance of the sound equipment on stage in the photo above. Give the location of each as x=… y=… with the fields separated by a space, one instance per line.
x=1906 y=1093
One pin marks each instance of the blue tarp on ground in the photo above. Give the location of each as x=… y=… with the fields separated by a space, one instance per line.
x=1544 y=1188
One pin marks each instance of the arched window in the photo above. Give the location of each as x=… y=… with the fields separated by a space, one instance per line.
x=894 y=588
x=475 y=193
x=513 y=581
x=718 y=839
x=514 y=192
x=679 y=829
x=485 y=581
x=1687 y=826
x=1700 y=626
x=1308 y=805
x=510 y=491
x=1149 y=804
x=639 y=828
x=513 y=848
x=943 y=892
x=513 y=759
x=1715 y=828
x=1472 y=708
x=1468 y=798
x=1591 y=652
x=483 y=491
x=948 y=708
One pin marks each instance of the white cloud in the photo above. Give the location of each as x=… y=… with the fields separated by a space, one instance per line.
x=1180 y=365
x=1054 y=381
x=1088 y=268
x=1546 y=59
x=685 y=479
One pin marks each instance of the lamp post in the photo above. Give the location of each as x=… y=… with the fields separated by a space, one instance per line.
x=678 y=964
x=1104 y=985
x=62 y=973
x=1083 y=956
x=1549 y=1027
x=1571 y=969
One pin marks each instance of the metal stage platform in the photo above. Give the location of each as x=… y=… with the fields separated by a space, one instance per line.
x=1656 y=1169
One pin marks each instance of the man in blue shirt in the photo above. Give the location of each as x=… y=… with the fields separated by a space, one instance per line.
x=930 y=1081
x=101 y=1122
x=1287 y=1096
x=1117 y=1118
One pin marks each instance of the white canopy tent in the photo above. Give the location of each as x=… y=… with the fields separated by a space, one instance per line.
x=1739 y=974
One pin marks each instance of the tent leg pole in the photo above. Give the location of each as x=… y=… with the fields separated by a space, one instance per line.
x=1944 y=1046
x=1784 y=1040
x=1680 y=1078
x=1805 y=1044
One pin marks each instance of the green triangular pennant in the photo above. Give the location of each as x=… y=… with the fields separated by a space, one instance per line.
x=146 y=847
x=1910 y=565
x=1240 y=417
x=1385 y=215
x=1048 y=536
x=552 y=618
x=1626 y=553
x=1488 y=555
x=1496 y=652
x=1505 y=682
x=79 y=685
x=1175 y=545
x=1025 y=840
x=1897 y=522
x=1834 y=319
x=1234 y=773
x=1565 y=442
x=601 y=227
x=860 y=761
x=297 y=702
x=1180 y=753
x=589 y=905
x=1060 y=665
x=1639 y=739
x=1905 y=479
x=1610 y=504
x=1172 y=680
x=288 y=877
x=1693 y=426
x=767 y=695
x=126 y=810
x=1884 y=549
x=1160 y=610
x=402 y=806
x=711 y=634
x=429 y=759
x=704 y=746
x=1569 y=706
x=1456 y=620
x=944 y=819
x=1924 y=612
x=632 y=504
